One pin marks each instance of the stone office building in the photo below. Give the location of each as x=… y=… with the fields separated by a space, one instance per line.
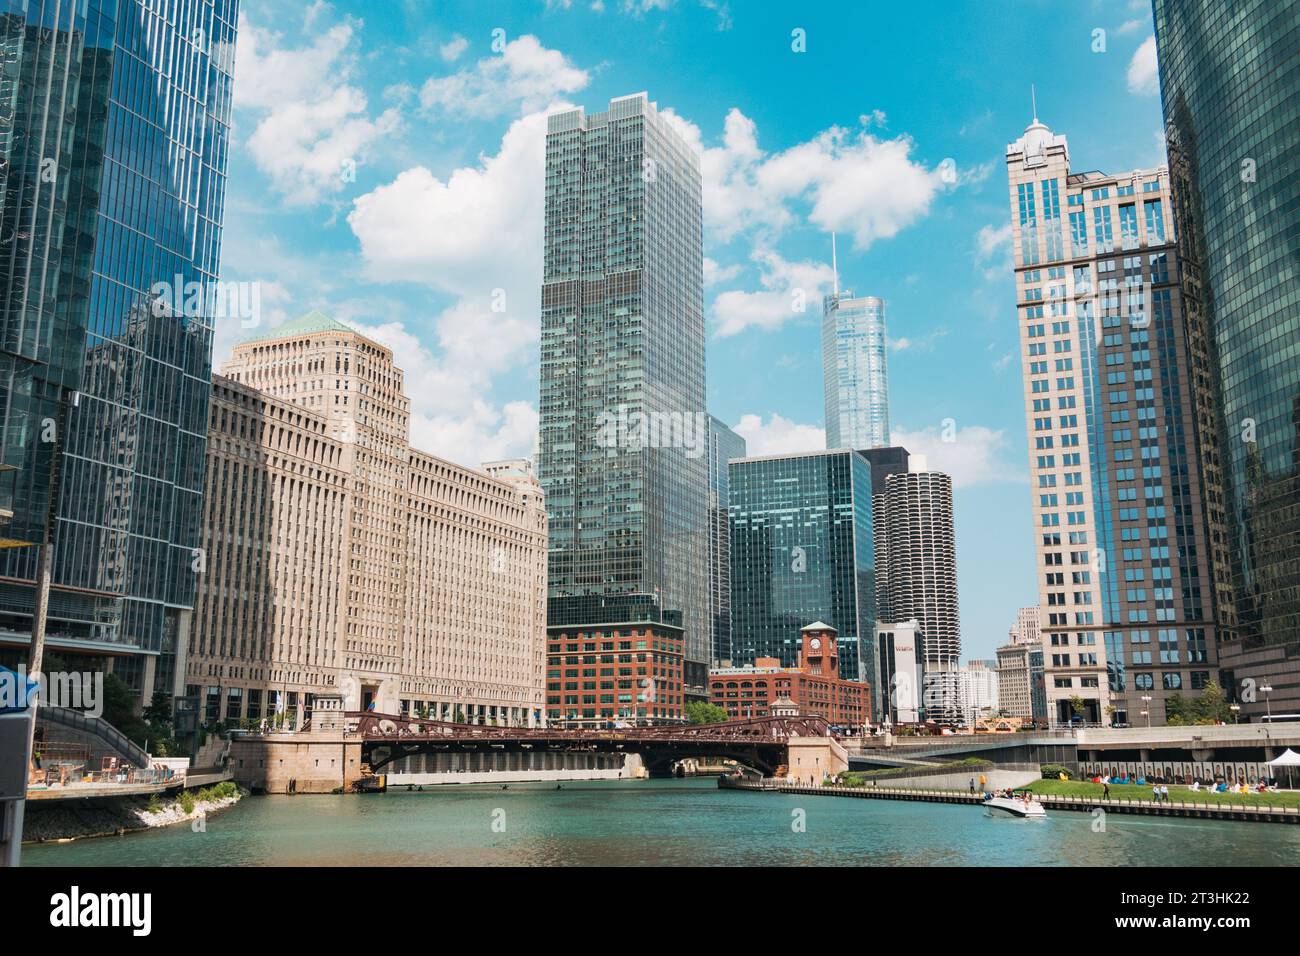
x=337 y=559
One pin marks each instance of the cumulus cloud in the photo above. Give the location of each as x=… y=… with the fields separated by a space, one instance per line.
x=853 y=181
x=972 y=455
x=975 y=455
x=525 y=76
x=1143 y=70
x=993 y=251
x=789 y=289
x=453 y=48
x=778 y=435
x=312 y=127
x=476 y=235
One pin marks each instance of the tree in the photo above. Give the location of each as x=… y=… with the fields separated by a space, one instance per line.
x=1077 y=705
x=703 y=712
x=159 y=710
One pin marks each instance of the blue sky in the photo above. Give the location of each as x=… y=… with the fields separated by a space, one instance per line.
x=387 y=168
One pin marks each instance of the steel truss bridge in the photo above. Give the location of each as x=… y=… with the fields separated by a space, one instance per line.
x=760 y=744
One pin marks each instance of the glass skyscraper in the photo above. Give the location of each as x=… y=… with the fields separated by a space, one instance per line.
x=624 y=434
x=724 y=445
x=113 y=137
x=854 y=371
x=1229 y=75
x=802 y=551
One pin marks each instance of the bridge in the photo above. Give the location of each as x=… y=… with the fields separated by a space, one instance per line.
x=761 y=744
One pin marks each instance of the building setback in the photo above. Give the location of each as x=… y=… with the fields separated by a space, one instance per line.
x=340 y=560
x=1236 y=191
x=1123 y=556
x=109 y=196
x=623 y=431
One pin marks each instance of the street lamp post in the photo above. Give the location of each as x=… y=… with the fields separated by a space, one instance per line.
x=1235 y=708
x=1146 y=699
x=1266 y=688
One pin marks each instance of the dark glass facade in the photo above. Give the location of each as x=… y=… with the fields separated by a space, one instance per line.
x=801 y=551
x=622 y=348
x=138 y=187
x=724 y=445
x=1230 y=83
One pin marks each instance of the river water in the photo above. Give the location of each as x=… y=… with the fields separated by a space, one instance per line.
x=663 y=822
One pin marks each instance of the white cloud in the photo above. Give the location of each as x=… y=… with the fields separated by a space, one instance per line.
x=1143 y=70
x=525 y=76
x=477 y=236
x=974 y=456
x=778 y=435
x=853 y=181
x=924 y=344
x=715 y=273
x=789 y=289
x=313 y=128
x=993 y=251
x=453 y=48
x=1132 y=26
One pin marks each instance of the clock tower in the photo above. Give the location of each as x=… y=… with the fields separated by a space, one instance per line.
x=819 y=652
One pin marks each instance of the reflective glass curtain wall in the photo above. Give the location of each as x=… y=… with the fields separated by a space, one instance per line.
x=156 y=82
x=855 y=371
x=623 y=346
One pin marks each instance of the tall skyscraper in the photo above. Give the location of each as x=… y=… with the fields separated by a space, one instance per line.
x=1236 y=191
x=801 y=551
x=1123 y=561
x=340 y=560
x=917 y=537
x=114 y=126
x=623 y=454
x=854 y=370
x=724 y=445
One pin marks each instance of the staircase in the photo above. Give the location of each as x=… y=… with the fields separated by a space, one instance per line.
x=99 y=734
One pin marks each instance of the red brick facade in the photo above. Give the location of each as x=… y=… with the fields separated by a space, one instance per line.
x=815 y=686
x=599 y=675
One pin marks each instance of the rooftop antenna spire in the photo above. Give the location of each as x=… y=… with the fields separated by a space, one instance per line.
x=1033 y=96
x=835 y=267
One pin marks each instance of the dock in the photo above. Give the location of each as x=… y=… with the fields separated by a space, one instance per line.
x=1205 y=811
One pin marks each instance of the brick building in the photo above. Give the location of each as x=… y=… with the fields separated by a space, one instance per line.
x=601 y=674
x=813 y=684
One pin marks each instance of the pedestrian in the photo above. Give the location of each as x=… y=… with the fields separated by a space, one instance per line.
x=1155 y=793
x=983 y=781
x=1105 y=790
x=972 y=785
x=1164 y=793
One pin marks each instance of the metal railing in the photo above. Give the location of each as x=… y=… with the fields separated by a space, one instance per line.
x=96 y=727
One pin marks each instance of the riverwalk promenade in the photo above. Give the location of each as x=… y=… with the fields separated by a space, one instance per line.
x=1209 y=811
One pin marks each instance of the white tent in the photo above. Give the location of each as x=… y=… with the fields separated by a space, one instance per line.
x=1289 y=759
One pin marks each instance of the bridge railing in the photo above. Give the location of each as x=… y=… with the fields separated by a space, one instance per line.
x=371 y=724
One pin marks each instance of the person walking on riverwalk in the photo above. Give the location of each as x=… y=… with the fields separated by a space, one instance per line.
x=1105 y=790
x=972 y=785
x=983 y=781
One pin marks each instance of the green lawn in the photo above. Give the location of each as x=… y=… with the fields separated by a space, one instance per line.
x=1177 y=794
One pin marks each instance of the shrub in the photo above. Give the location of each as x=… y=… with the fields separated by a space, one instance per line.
x=1053 y=771
x=187 y=802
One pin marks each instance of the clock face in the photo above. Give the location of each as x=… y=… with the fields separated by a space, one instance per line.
x=815 y=643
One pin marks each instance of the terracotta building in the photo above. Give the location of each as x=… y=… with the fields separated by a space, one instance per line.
x=814 y=685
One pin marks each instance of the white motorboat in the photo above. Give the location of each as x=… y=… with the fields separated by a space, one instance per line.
x=1018 y=806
